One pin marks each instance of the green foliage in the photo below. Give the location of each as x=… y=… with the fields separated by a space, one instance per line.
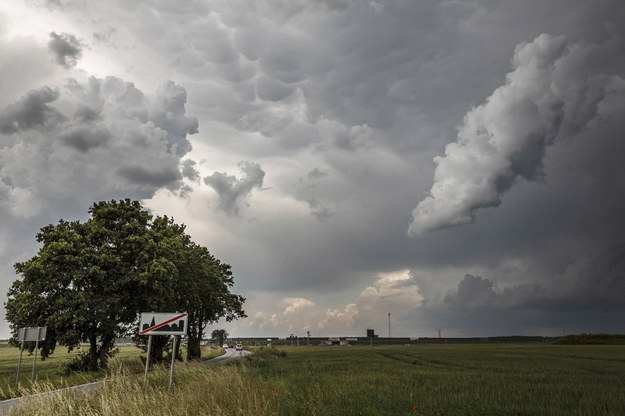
x=80 y=363
x=89 y=281
x=220 y=335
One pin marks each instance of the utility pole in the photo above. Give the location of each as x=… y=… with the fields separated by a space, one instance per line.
x=389 y=324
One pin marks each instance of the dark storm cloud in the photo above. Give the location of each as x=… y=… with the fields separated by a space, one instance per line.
x=319 y=211
x=232 y=190
x=477 y=307
x=66 y=48
x=168 y=113
x=83 y=139
x=316 y=173
x=153 y=177
x=475 y=292
x=32 y=111
x=76 y=143
x=189 y=171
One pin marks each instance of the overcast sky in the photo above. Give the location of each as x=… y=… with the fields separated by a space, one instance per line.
x=457 y=164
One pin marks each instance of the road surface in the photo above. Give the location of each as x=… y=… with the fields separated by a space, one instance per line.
x=230 y=354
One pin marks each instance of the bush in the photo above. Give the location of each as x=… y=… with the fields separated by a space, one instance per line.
x=84 y=362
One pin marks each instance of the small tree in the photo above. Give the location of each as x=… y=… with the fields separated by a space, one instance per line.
x=221 y=335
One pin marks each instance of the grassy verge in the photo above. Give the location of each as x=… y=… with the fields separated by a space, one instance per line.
x=49 y=373
x=198 y=390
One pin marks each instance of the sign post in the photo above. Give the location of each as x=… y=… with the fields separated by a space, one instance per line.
x=30 y=334
x=147 y=359
x=157 y=323
x=173 y=360
x=19 y=363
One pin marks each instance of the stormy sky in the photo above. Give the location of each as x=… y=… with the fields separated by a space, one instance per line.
x=457 y=164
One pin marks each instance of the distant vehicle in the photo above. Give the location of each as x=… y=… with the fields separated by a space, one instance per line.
x=239 y=347
x=226 y=346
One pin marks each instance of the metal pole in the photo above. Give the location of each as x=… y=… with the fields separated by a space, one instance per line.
x=19 y=363
x=389 y=324
x=147 y=359
x=32 y=377
x=171 y=369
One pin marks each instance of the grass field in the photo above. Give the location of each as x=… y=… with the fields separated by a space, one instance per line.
x=443 y=380
x=449 y=380
x=50 y=371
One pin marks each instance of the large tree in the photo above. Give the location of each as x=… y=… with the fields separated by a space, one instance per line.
x=89 y=281
x=202 y=287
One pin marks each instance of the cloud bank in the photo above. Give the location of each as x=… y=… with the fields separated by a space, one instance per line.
x=98 y=139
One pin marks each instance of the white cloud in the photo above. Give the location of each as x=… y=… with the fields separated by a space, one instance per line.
x=393 y=292
x=554 y=91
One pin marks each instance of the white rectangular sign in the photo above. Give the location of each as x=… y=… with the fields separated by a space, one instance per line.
x=37 y=333
x=157 y=323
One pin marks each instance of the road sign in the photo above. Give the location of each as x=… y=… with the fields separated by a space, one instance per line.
x=156 y=323
x=32 y=334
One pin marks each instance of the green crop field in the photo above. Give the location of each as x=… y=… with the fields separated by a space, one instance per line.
x=443 y=380
x=449 y=380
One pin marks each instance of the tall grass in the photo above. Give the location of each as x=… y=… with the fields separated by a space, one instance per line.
x=198 y=390
x=51 y=371
x=51 y=374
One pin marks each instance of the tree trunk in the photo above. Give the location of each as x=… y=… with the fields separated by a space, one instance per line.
x=93 y=353
x=159 y=343
x=194 y=351
x=105 y=349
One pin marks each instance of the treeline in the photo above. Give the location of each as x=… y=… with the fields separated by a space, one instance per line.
x=591 y=339
x=90 y=281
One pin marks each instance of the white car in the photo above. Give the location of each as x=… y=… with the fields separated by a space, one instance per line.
x=239 y=347
x=226 y=346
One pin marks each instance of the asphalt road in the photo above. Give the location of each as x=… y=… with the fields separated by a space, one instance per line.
x=230 y=354
x=5 y=405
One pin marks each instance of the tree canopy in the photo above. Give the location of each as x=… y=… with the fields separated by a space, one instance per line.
x=220 y=335
x=90 y=280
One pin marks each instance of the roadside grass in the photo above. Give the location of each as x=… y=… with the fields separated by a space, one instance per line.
x=49 y=373
x=208 y=389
